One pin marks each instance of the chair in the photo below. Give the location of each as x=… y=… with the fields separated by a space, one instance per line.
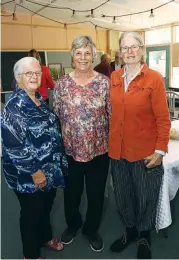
x=50 y=97
x=7 y=95
x=172 y=97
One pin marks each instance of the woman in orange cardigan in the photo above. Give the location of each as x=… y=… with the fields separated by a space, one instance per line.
x=138 y=139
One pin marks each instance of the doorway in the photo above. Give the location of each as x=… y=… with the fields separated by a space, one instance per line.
x=158 y=58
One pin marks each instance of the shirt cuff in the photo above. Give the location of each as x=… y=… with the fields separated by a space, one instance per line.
x=160 y=152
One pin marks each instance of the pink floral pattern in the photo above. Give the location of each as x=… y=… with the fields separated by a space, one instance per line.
x=84 y=115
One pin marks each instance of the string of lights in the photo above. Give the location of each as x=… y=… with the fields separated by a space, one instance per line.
x=151 y=12
x=64 y=24
x=68 y=8
x=141 y=12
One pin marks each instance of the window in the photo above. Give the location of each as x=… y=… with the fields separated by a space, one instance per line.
x=175 y=77
x=176 y=34
x=158 y=36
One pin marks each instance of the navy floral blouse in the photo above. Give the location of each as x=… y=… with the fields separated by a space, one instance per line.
x=31 y=140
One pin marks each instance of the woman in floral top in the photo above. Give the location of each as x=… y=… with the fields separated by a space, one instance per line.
x=81 y=101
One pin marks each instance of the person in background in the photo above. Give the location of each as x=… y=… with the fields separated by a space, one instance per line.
x=117 y=63
x=104 y=66
x=138 y=139
x=34 y=160
x=81 y=101
x=46 y=80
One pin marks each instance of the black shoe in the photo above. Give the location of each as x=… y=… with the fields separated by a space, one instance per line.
x=128 y=237
x=144 y=249
x=68 y=236
x=96 y=242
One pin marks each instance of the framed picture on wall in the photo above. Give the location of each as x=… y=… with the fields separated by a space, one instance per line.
x=55 y=70
x=67 y=70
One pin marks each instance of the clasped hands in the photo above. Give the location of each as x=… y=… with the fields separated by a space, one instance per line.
x=153 y=160
x=39 y=179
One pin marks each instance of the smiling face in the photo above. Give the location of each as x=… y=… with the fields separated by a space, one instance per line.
x=83 y=58
x=134 y=54
x=30 y=83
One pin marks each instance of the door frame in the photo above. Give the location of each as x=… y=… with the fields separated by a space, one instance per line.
x=161 y=48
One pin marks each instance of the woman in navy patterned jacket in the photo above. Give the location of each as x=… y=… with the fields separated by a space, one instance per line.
x=34 y=161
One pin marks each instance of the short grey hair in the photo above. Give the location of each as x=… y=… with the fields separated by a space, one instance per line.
x=104 y=57
x=135 y=35
x=19 y=65
x=116 y=53
x=83 y=42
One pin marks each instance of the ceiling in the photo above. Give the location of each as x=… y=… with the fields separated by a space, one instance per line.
x=166 y=14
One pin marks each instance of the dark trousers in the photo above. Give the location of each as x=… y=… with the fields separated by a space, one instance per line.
x=35 y=220
x=95 y=174
x=136 y=191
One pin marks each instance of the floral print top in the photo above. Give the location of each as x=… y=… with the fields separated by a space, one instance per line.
x=84 y=115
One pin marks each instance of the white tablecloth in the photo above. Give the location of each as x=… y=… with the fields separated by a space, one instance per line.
x=170 y=183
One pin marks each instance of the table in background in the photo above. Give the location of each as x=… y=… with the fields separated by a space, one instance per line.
x=170 y=183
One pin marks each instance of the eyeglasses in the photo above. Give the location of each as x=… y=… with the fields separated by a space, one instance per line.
x=30 y=74
x=133 y=48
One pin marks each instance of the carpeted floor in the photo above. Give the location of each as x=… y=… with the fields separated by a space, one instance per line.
x=111 y=228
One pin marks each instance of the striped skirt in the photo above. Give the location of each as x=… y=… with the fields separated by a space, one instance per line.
x=136 y=191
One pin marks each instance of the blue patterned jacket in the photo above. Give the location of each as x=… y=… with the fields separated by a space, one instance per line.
x=31 y=140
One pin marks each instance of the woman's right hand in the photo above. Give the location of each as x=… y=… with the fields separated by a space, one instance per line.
x=39 y=179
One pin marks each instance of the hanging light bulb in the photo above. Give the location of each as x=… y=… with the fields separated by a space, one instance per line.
x=114 y=19
x=151 y=14
x=92 y=13
x=14 y=17
x=73 y=15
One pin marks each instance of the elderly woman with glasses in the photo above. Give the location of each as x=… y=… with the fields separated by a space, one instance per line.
x=34 y=161
x=138 y=139
x=81 y=101
x=46 y=79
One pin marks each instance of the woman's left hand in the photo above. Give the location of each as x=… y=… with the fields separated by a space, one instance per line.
x=39 y=179
x=153 y=160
